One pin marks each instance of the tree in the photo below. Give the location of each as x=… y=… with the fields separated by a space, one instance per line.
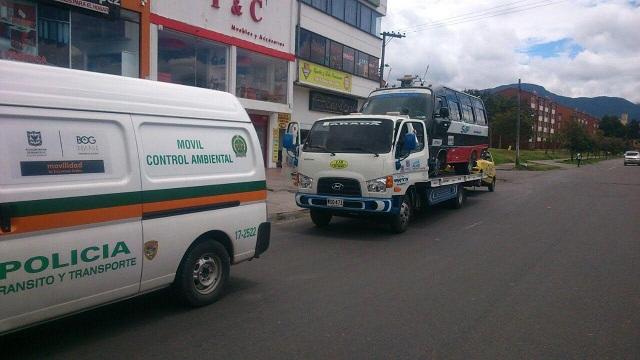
x=612 y=127
x=575 y=138
x=502 y=113
x=633 y=130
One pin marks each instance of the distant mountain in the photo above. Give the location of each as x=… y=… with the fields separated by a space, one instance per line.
x=596 y=106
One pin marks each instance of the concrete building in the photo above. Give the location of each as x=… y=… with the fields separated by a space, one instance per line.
x=549 y=118
x=546 y=123
x=284 y=59
x=338 y=56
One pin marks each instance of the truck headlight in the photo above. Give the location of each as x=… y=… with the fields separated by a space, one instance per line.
x=304 y=182
x=380 y=184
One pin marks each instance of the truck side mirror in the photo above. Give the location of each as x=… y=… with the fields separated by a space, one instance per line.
x=444 y=112
x=410 y=142
x=288 y=142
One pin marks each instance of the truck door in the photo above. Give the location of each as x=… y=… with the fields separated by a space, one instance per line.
x=416 y=161
x=290 y=159
x=70 y=212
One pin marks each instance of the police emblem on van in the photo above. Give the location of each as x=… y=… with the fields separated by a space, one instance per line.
x=34 y=138
x=239 y=145
x=150 y=249
x=339 y=164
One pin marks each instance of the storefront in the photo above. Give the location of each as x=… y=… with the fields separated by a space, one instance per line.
x=243 y=47
x=102 y=36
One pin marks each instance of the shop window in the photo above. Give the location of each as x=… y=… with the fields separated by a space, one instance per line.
x=348 y=59
x=188 y=60
x=69 y=37
x=304 y=44
x=54 y=30
x=108 y=46
x=351 y=12
x=365 y=18
x=362 y=64
x=335 y=60
x=318 y=49
x=261 y=77
x=337 y=9
x=374 y=68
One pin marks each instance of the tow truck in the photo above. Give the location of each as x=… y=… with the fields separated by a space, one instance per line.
x=371 y=165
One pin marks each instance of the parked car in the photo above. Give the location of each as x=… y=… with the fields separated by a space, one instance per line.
x=488 y=167
x=631 y=157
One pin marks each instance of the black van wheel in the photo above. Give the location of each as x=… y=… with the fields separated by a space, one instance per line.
x=492 y=186
x=458 y=201
x=203 y=274
x=320 y=218
x=400 y=222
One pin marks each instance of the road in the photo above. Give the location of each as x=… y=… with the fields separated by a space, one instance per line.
x=547 y=267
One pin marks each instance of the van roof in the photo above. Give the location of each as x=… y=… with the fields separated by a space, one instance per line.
x=23 y=84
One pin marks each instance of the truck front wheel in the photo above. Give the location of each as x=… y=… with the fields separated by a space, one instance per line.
x=400 y=221
x=320 y=218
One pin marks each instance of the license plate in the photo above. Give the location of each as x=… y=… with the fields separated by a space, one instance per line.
x=334 y=202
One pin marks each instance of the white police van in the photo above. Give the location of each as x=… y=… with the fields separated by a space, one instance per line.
x=111 y=187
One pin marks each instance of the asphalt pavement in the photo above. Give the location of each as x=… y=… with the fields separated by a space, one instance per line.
x=547 y=267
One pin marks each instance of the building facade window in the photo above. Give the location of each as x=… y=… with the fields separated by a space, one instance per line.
x=335 y=60
x=189 y=60
x=351 y=12
x=70 y=37
x=362 y=64
x=318 y=49
x=348 y=60
x=261 y=77
x=323 y=51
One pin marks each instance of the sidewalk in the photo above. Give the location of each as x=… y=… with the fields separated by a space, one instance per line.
x=281 y=204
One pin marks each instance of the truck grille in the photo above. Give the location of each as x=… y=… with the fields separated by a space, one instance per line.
x=339 y=186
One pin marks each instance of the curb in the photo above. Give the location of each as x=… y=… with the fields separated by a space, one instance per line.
x=287 y=216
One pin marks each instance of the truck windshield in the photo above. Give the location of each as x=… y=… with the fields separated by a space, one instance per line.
x=413 y=104
x=372 y=136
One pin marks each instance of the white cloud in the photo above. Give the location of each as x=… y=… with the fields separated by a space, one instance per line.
x=489 y=52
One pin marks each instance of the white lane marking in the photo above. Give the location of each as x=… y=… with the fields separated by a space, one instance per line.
x=613 y=167
x=473 y=225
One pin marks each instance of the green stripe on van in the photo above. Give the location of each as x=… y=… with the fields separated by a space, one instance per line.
x=76 y=203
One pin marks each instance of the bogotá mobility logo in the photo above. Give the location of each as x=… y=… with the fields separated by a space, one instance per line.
x=239 y=145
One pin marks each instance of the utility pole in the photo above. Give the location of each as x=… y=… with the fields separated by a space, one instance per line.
x=518 y=127
x=384 y=44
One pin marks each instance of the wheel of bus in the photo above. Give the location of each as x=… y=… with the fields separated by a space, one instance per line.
x=492 y=186
x=203 y=274
x=400 y=221
x=458 y=201
x=320 y=218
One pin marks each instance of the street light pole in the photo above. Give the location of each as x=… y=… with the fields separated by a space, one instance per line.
x=518 y=127
x=386 y=34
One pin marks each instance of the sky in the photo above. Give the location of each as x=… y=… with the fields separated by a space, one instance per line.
x=571 y=47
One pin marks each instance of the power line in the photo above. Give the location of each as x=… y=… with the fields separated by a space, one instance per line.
x=463 y=15
x=487 y=16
